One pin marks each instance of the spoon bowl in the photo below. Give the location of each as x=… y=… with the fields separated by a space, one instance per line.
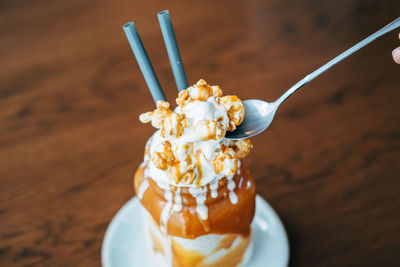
x=259 y=115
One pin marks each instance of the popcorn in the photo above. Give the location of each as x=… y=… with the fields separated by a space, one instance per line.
x=173 y=125
x=216 y=90
x=162 y=159
x=241 y=147
x=182 y=171
x=175 y=173
x=225 y=160
x=200 y=121
x=188 y=177
x=157 y=116
x=146 y=117
x=163 y=118
x=200 y=91
x=235 y=109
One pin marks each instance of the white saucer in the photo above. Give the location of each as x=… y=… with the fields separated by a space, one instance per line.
x=123 y=241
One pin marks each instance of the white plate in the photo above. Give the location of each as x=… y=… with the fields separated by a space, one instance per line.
x=123 y=241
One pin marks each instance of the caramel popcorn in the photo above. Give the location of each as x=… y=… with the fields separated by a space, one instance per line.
x=157 y=116
x=200 y=91
x=241 y=147
x=164 y=158
x=188 y=177
x=178 y=176
x=228 y=156
x=173 y=125
x=163 y=118
x=235 y=109
x=175 y=173
x=199 y=122
x=225 y=159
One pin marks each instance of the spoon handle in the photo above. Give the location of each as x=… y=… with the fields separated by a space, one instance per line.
x=391 y=26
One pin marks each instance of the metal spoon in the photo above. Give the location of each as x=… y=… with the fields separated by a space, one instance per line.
x=259 y=114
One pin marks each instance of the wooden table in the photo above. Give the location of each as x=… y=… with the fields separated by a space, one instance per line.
x=70 y=139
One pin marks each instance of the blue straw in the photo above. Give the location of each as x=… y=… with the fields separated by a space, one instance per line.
x=172 y=49
x=144 y=62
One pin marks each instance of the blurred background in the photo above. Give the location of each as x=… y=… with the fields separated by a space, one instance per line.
x=70 y=140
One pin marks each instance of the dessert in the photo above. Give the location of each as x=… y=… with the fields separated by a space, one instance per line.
x=198 y=199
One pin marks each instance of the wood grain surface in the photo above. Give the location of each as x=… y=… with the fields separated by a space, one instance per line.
x=70 y=139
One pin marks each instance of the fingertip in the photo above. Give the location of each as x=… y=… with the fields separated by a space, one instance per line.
x=396 y=55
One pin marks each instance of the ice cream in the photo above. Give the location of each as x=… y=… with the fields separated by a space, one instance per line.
x=198 y=199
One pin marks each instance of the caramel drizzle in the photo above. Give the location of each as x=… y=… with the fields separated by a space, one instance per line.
x=197 y=156
x=232 y=257
x=212 y=133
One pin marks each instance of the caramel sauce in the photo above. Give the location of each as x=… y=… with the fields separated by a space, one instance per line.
x=184 y=124
x=223 y=216
x=175 y=169
x=218 y=165
x=208 y=130
x=226 y=242
x=215 y=132
x=234 y=256
x=189 y=157
x=182 y=257
x=212 y=133
x=197 y=156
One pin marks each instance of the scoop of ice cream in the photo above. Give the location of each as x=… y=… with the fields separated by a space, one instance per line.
x=189 y=147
